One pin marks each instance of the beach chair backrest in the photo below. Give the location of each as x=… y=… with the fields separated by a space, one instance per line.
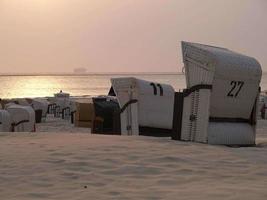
x=124 y=88
x=155 y=104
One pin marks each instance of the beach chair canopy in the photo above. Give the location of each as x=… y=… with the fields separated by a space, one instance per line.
x=234 y=78
x=9 y=104
x=22 y=102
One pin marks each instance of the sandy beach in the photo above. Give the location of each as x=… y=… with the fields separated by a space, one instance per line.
x=66 y=165
x=194 y=71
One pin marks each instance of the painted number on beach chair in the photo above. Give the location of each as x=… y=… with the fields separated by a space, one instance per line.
x=155 y=88
x=236 y=88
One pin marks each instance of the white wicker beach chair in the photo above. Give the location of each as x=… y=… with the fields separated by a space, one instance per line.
x=146 y=107
x=22 y=118
x=220 y=103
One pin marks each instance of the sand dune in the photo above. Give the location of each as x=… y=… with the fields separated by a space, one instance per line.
x=84 y=166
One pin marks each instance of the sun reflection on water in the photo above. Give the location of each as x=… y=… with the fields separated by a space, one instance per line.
x=42 y=86
x=31 y=86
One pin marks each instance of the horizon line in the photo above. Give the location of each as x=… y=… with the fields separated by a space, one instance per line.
x=90 y=73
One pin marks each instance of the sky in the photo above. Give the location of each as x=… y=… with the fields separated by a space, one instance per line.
x=56 y=36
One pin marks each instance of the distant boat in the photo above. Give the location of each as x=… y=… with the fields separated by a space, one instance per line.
x=79 y=70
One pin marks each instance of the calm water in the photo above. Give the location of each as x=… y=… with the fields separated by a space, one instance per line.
x=40 y=86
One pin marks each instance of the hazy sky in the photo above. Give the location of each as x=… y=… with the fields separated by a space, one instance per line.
x=124 y=35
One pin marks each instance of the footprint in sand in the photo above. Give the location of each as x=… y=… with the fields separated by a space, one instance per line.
x=71 y=175
x=61 y=154
x=38 y=195
x=51 y=150
x=56 y=161
x=133 y=170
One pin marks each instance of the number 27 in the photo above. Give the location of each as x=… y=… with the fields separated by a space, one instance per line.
x=236 y=88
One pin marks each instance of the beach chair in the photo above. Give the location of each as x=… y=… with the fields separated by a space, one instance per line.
x=5 y=121
x=146 y=108
x=36 y=105
x=107 y=115
x=85 y=113
x=22 y=118
x=219 y=105
x=73 y=109
x=263 y=107
x=40 y=104
x=62 y=107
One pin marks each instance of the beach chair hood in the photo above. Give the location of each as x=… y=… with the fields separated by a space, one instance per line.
x=232 y=76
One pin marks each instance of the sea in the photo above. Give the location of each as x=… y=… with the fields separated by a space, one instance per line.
x=17 y=86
